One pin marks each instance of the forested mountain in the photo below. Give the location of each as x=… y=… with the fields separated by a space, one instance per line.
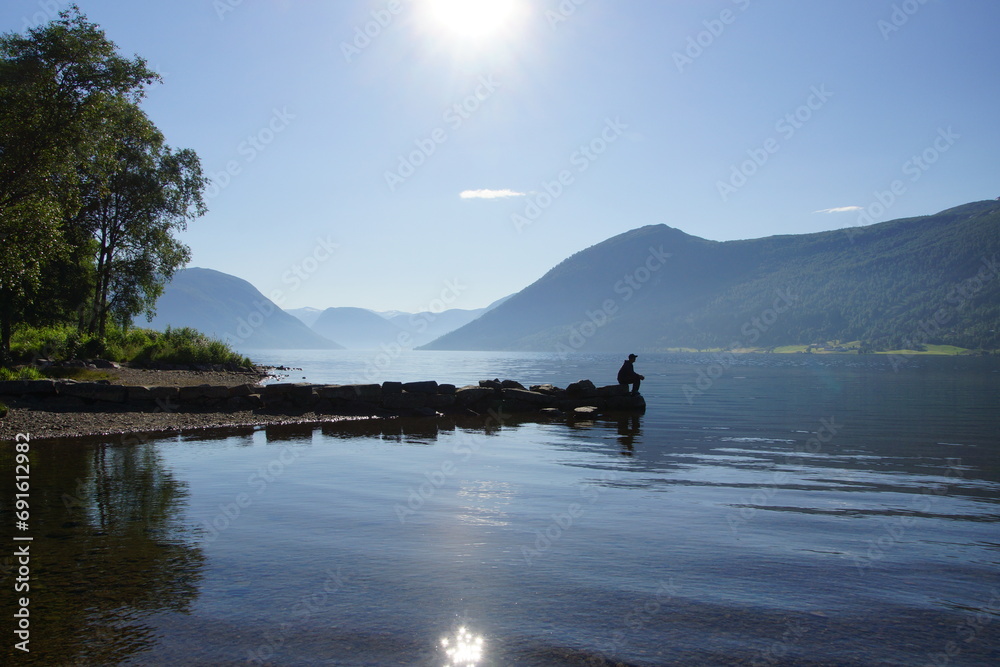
x=897 y=284
x=233 y=310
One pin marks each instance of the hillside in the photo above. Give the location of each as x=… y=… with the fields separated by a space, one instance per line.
x=890 y=285
x=229 y=308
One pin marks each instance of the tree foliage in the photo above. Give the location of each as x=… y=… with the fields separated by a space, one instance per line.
x=90 y=195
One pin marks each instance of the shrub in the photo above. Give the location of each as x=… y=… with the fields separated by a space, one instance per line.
x=188 y=346
x=25 y=373
x=174 y=346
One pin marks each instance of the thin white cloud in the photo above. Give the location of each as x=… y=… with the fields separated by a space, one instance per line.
x=490 y=194
x=841 y=209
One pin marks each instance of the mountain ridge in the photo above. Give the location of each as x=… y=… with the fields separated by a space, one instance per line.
x=874 y=284
x=231 y=309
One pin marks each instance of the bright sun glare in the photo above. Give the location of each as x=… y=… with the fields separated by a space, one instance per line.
x=473 y=19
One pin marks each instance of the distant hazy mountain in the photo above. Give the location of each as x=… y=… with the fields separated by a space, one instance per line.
x=307 y=315
x=362 y=329
x=356 y=328
x=427 y=326
x=930 y=279
x=231 y=309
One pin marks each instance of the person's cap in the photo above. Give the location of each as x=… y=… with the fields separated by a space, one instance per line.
x=633 y=356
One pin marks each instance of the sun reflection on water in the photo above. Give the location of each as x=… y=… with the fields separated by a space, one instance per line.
x=464 y=649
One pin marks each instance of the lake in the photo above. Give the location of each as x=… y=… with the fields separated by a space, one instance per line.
x=765 y=510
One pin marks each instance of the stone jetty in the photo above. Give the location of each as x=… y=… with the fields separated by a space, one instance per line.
x=426 y=399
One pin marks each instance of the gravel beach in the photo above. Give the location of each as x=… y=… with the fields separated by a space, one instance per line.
x=72 y=418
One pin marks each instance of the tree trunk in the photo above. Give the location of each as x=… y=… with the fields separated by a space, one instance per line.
x=6 y=325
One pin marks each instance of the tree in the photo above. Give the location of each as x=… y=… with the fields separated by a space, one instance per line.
x=54 y=83
x=134 y=195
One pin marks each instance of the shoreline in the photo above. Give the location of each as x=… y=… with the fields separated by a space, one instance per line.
x=135 y=404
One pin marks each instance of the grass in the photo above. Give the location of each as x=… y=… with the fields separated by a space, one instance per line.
x=931 y=349
x=25 y=373
x=132 y=345
x=3 y=410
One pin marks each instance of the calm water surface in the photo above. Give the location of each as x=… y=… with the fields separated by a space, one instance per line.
x=764 y=510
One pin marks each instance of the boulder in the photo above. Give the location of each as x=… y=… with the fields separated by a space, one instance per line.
x=366 y=393
x=626 y=402
x=471 y=395
x=544 y=388
x=613 y=390
x=249 y=402
x=244 y=390
x=430 y=387
x=28 y=388
x=203 y=392
x=511 y=384
x=300 y=394
x=415 y=401
x=392 y=388
x=581 y=388
x=151 y=394
x=402 y=401
x=586 y=411
x=104 y=363
x=533 y=398
x=447 y=389
x=491 y=384
x=94 y=391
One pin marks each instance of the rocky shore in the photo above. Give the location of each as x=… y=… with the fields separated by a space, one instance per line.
x=172 y=401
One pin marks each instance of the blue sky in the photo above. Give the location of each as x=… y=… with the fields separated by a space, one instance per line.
x=339 y=158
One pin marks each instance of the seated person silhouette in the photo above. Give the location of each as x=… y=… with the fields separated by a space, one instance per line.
x=628 y=376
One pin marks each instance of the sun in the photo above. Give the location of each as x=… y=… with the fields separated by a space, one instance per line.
x=473 y=20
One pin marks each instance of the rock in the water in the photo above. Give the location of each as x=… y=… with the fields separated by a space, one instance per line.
x=583 y=388
x=430 y=387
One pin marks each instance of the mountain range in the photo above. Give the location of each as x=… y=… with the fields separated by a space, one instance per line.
x=229 y=308
x=893 y=285
x=233 y=310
